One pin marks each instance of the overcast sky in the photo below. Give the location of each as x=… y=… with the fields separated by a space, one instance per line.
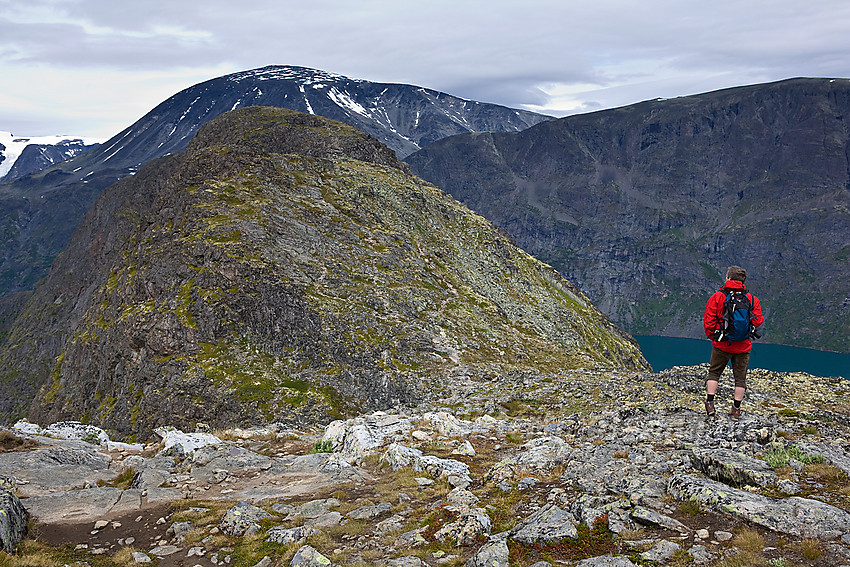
x=93 y=67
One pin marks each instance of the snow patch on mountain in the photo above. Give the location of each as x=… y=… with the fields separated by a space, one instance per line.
x=14 y=145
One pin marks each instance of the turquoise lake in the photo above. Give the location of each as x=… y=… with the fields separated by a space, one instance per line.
x=666 y=352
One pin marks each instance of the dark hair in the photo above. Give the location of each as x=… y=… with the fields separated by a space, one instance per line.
x=736 y=273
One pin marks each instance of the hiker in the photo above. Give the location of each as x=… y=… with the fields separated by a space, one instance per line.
x=730 y=341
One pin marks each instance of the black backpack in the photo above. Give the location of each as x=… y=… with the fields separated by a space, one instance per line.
x=736 y=323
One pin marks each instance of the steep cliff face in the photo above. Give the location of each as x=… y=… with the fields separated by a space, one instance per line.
x=643 y=207
x=285 y=267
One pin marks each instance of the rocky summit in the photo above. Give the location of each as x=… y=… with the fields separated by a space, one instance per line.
x=589 y=468
x=285 y=268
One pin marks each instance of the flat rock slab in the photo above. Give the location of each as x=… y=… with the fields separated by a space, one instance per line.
x=58 y=467
x=93 y=503
x=801 y=517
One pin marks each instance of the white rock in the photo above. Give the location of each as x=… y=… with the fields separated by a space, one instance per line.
x=184 y=443
x=25 y=426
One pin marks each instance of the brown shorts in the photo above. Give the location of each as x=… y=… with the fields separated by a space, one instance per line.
x=719 y=360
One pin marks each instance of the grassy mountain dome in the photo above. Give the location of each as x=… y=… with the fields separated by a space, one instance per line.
x=285 y=267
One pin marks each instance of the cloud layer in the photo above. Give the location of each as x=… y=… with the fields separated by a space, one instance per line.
x=91 y=67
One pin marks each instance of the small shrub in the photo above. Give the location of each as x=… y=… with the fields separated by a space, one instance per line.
x=591 y=542
x=514 y=437
x=121 y=481
x=778 y=456
x=811 y=549
x=690 y=507
x=778 y=562
x=749 y=540
x=809 y=430
x=325 y=446
x=742 y=559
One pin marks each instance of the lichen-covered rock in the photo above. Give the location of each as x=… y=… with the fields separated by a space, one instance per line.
x=307 y=556
x=606 y=561
x=732 y=467
x=802 y=517
x=398 y=456
x=13 y=521
x=355 y=438
x=548 y=524
x=491 y=554
x=652 y=518
x=472 y=524
x=280 y=534
x=370 y=511
x=410 y=539
x=661 y=551
x=242 y=519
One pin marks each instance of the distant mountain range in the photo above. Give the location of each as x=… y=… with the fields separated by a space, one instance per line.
x=643 y=207
x=39 y=211
x=20 y=155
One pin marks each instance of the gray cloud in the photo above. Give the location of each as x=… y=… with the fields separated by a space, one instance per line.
x=538 y=53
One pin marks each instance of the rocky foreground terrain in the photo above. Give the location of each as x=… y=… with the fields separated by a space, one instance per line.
x=587 y=468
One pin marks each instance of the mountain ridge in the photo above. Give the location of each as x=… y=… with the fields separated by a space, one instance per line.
x=285 y=267
x=39 y=211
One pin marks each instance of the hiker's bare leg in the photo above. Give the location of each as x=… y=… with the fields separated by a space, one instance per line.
x=739 y=392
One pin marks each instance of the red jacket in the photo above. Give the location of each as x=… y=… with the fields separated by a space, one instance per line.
x=714 y=313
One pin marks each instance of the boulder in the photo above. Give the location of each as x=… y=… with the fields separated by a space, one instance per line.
x=370 y=512
x=242 y=519
x=309 y=557
x=732 y=467
x=279 y=534
x=472 y=524
x=548 y=524
x=491 y=554
x=606 y=561
x=652 y=518
x=398 y=456
x=356 y=438
x=661 y=551
x=77 y=431
x=13 y=521
x=183 y=444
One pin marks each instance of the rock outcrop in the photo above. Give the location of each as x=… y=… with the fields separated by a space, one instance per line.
x=284 y=268
x=610 y=484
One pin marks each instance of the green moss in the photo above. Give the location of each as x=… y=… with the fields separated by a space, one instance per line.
x=55 y=377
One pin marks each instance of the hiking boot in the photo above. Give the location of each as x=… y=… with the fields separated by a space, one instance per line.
x=709 y=408
x=735 y=413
